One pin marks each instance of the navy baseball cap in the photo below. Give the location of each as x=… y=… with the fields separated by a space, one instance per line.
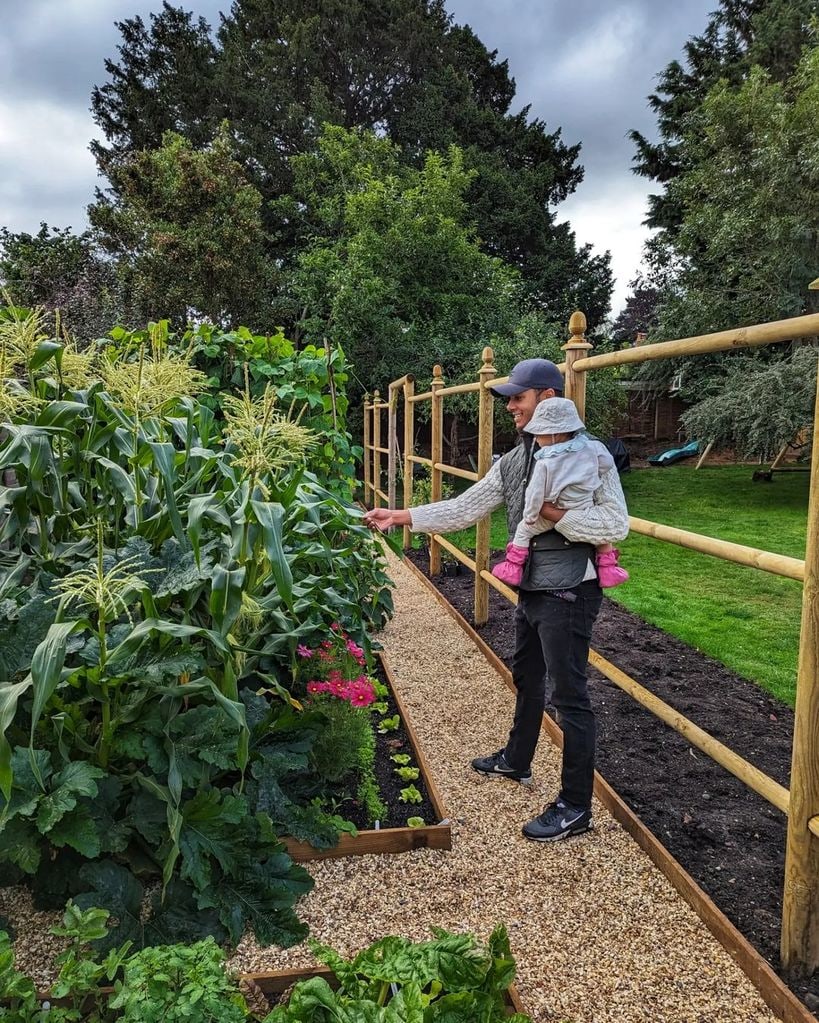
x=539 y=374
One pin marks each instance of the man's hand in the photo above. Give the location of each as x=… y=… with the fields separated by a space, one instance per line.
x=551 y=512
x=386 y=518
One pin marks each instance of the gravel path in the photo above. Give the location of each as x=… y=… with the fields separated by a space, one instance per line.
x=599 y=934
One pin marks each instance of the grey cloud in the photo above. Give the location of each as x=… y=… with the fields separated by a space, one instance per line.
x=585 y=67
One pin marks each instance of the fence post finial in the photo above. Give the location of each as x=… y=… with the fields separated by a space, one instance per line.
x=576 y=348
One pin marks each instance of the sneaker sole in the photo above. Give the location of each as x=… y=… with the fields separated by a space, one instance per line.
x=507 y=777
x=570 y=833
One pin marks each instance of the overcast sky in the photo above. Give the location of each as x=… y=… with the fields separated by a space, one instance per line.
x=586 y=66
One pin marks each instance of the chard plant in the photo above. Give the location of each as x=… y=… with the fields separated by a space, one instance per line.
x=451 y=979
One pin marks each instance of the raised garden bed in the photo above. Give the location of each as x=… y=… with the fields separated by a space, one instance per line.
x=275 y=982
x=437 y=835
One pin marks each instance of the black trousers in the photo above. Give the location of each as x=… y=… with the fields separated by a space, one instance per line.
x=552 y=636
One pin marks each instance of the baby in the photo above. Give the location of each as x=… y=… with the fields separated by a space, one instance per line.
x=567 y=472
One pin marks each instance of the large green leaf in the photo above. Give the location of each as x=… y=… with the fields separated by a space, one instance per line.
x=24 y=627
x=107 y=885
x=46 y=667
x=203 y=508
x=203 y=738
x=164 y=459
x=260 y=897
x=174 y=918
x=76 y=779
x=77 y=830
x=210 y=831
x=9 y=697
x=21 y=845
x=270 y=517
x=226 y=597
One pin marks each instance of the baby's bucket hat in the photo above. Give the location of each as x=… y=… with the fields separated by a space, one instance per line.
x=555 y=415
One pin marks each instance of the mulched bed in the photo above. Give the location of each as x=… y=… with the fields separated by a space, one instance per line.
x=389 y=784
x=730 y=840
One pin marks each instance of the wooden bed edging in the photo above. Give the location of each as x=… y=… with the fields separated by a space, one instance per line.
x=274 y=982
x=776 y=995
x=387 y=840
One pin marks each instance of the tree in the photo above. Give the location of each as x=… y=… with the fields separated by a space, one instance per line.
x=57 y=269
x=187 y=230
x=639 y=316
x=164 y=81
x=759 y=409
x=748 y=244
x=394 y=272
x=739 y=35
x=278 y=72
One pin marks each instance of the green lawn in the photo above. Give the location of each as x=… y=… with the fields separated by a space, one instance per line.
x=745 y=618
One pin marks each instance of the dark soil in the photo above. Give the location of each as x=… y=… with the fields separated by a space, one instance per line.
x=729 y=839
x=389 y=784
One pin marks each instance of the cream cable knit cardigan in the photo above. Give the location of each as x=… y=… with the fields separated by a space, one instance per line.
x=505 y=483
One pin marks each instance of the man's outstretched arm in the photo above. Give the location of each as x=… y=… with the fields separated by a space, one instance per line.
x=459 y=512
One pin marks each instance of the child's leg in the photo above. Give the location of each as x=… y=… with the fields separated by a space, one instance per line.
x=609 y=572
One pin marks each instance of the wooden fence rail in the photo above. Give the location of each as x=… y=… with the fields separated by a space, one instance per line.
x=800 y=918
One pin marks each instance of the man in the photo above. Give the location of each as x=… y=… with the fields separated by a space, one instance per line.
x=559 y=599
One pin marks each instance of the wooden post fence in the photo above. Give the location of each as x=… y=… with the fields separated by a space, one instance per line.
x=367 y=448
x=800 y=917
x=392 y=440
x=485 y=436
x=800 y=911
x=376 y=449
x=409 y=446
x=576 y=348
x=437 y=456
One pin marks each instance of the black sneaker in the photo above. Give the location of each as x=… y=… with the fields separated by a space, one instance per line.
x=495 y=766
x=558 y=820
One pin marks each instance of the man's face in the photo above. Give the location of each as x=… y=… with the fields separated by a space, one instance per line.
x=523 y=405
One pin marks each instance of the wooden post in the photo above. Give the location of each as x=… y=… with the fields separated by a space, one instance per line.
x=705 y=454
x=376 y=448
x=437 y=456
x=800 y=911
x=576 y=348
x=409 y=449
x=392 y=441
x=485 y=430
x=367 y=451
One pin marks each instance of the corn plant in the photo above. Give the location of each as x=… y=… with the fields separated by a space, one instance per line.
x=159 y=566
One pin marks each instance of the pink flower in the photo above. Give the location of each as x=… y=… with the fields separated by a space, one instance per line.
x=334 y=675
x=337 y=686
x=359 y=692
x=355 y=650
x=326 y=645
x=317 y=687
x=304 y=651
x=335 y=626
